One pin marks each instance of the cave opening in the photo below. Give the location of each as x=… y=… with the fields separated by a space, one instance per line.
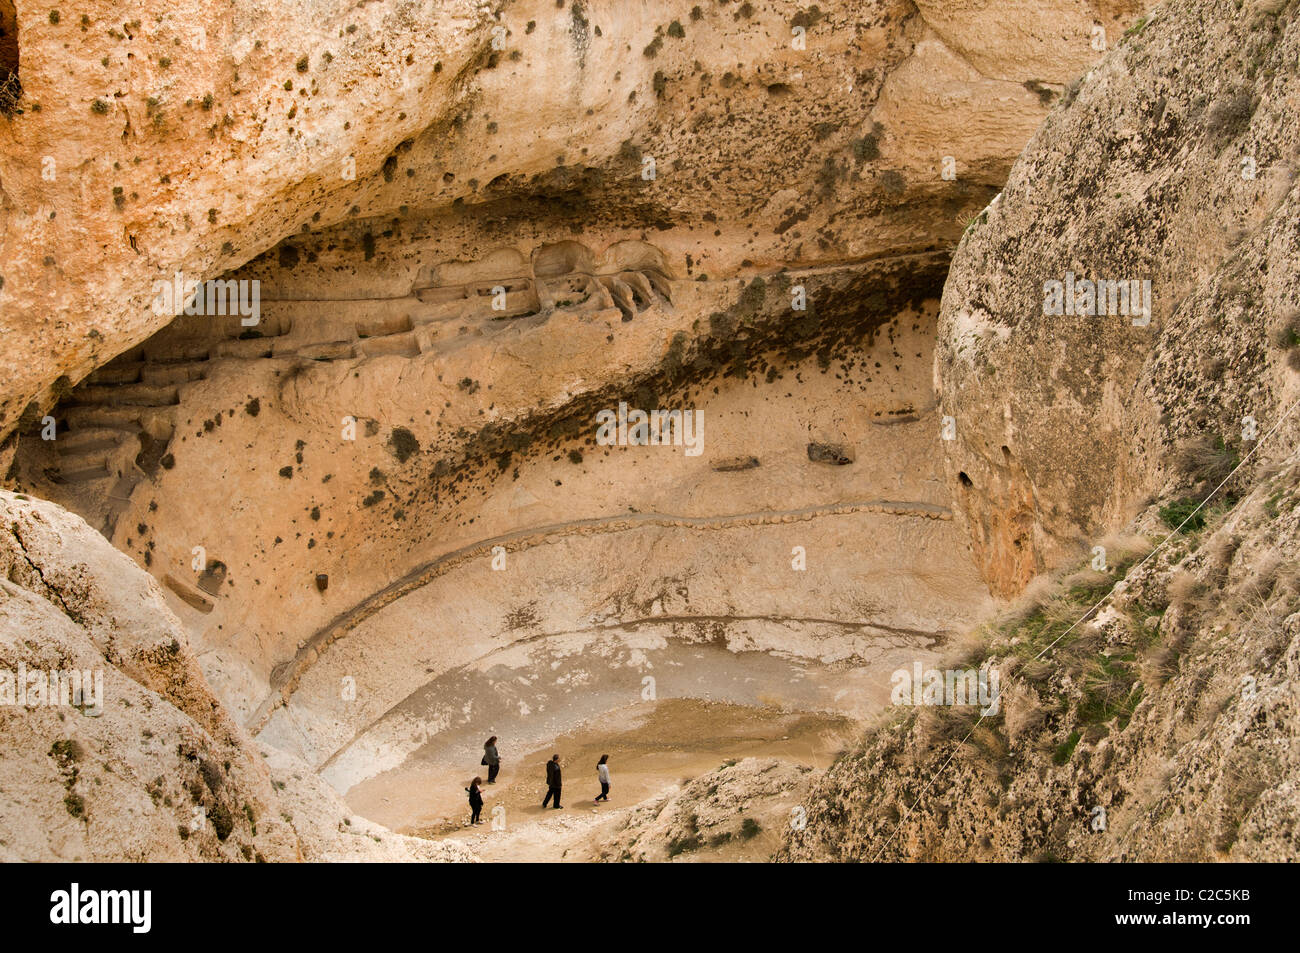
x=206 y=394
x=11 y=89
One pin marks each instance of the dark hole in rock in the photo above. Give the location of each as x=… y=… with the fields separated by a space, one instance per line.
x=11 y=89
x=832 y=453
x=211 y=578
x=151 y=453
x=736 y=463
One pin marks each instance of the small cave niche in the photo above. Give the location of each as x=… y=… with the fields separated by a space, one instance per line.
x=152 y=450
x=212 y=576
x=735 y=464
x=835 y=454
x=11 y=90
x=964 y=480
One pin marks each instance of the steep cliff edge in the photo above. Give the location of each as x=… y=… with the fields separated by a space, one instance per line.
x=1172 y=166
x=115 y=749
x=1148 y=706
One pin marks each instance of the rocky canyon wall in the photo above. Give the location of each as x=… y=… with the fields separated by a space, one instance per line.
x=1148 y=707
x=379 y=516
x=121 y=138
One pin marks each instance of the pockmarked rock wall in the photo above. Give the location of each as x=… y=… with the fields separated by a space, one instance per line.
x=645 y=183
x=649 y=188
x=1179 y=184
x=1148 y=706
x=143 y=762
x=192 y=138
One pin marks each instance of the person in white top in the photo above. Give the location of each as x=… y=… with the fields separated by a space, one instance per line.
x=602 y=772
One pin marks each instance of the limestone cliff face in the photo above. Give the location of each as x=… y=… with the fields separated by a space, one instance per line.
x=1156 y=720
x=148 y=764
x=190 y=138
x=648 y=187
x=1067 y=423
x=475 y=224
x=194 y=138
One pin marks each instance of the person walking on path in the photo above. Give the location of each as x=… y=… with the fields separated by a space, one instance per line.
x=475 y=800
x=491 y=759
x=602 y=772
x=552 y=781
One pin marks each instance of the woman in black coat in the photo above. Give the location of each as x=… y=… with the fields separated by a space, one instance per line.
x=491 y=759
x=475 y=800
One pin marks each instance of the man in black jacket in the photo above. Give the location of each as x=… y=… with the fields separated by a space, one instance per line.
x=552 y=781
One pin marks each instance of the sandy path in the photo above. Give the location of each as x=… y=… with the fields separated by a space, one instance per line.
x=652 y=746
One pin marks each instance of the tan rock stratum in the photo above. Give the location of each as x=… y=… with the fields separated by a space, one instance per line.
x=1156 y=719
x=321 y=547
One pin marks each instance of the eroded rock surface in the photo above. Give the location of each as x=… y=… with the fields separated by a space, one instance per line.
x=381 y=514
x=147 y=765
x=1156 y=720
x=733 y=812
x=1067 y=424
x=1160 y=729
x=153 y=768
x=118 y=156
